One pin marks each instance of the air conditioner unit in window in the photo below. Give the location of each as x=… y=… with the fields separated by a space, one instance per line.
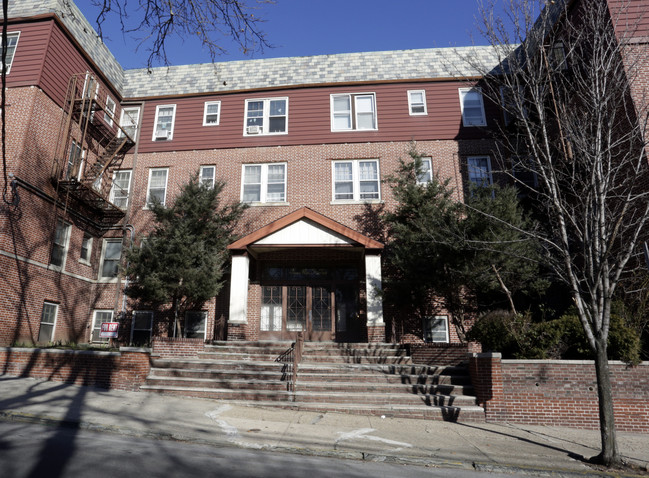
x=163 y=134
x=253 y=129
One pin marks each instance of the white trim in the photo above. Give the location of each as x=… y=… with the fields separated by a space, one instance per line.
x=353 y=111
x=169 y=132
x=148 y=188
x=100 y=277
x=425 y=160
x=263 y=185
x=373 y=287
x=98 y=326
x=239 y=290
x=430 y=319
x=13 y=56
x=109 y=114
x=135 y=124
x=42 y=265
x=463 y=92
x=202 y=180
x=53 y=324
x=128 y=187
x=356 y=181
x=205 y=317
x=218 y=115
x=263 y=130
x=66 y=245
x=91 y=240
x=411 y=104
x=469 y=167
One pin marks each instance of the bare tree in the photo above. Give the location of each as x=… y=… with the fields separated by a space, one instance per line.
x=570 y=82
x=156 y=23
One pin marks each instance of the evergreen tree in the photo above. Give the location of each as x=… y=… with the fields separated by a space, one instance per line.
x=183 y=260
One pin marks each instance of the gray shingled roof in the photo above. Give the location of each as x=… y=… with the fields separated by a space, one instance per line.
x=266 y=73
x=308 y=70
x=74 y=21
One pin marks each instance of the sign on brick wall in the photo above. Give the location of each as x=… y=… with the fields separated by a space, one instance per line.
x=109 y=330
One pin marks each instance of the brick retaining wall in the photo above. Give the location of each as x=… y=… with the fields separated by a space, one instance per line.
x=177 y=347
x=441 y=353
x=123 y=370
x=558 y=392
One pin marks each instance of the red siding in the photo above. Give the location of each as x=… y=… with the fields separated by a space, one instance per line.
x=309 y=118
x=30 y=53
x=630 y=18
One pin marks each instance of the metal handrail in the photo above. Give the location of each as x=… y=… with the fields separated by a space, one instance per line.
x=291 y=358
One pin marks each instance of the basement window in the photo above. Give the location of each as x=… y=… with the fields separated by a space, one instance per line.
x=436 y=329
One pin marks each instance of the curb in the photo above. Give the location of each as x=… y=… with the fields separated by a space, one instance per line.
x=46 y=420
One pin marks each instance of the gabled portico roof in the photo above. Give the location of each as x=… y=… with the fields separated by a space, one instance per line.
x=338 y=233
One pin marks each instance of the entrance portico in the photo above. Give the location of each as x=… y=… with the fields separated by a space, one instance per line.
x=306 y=272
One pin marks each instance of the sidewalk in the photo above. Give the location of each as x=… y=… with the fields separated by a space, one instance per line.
x=509 y=448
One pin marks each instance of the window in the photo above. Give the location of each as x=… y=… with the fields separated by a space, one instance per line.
x=86 y=248
x=264 y=183
x=417 y=102
x=195 y=321
x=356 y=180
x=100 y=316
x=266 y=116
x=164 y=123
x=436 y=329
x=109 y=114
x=425 y=174
x=207 y=176
x=12 y=43
x=557 y=56
x=472 y=107
x=479 y=169
x=141 y=327
x=75 y=161
x=121 y=188
x=48 y=322
x=211 y=113
x=271 y=308
x=157 y=186
x=129 y=121
x=60 y=244
x=353 y=112
x=110 y=259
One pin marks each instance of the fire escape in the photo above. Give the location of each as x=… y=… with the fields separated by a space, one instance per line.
x=91 y=146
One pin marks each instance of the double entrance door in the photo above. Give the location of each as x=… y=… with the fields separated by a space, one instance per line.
x=321 y=312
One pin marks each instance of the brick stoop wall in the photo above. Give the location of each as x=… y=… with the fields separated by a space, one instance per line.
x=439 y=353
x=123 y=370
x=177 y=347
x=558 y=392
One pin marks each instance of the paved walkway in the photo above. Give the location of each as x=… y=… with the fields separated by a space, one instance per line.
x=514 y=448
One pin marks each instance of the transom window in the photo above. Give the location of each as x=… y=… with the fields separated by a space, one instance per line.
x=472 y=107
x=48 y=322
x=436 y=329
x=157 y=186
x=129 y=121
x=211 y=113
x=164 y=122
x=479 y=170
x=207 y=176
x=353 y=112
x=417 y=102
x=121 y=189
x=266 y=116
x=264 y=183
x=356 y=180
x=12 y=43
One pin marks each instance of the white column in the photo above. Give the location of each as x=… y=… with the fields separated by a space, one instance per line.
x=373 y=289
x=239 y=290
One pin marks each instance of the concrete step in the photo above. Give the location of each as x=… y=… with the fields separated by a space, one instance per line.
x=389 y=388
x=367 y=398
x=356 y=359
x=259 y=366
x=238 y=356
x=216 y=374
x=219 y=393
x=211 y=383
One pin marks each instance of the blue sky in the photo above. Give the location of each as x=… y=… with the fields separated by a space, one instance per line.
x=315 y=27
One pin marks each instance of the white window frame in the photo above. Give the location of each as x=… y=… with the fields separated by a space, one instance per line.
x=150 y=329
x=96 y=326
x=209 y=182
x=356 y=181
x=429 y=171
x=64 y=246
x=109 y=113
x=204 y=314
x=353 y=112
x=205 y=114
x=11 y=51
x=124 y=192
x=77 y=153
x=266 y=116
x=471 y=167
x=428 y=334
x=132 y=124
x=463 y=92
x=53 y=323
x=170 y=132
x=412 y=104
x=263 y=194
x=148 y=189
x=104 y=248
x=86 y=260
